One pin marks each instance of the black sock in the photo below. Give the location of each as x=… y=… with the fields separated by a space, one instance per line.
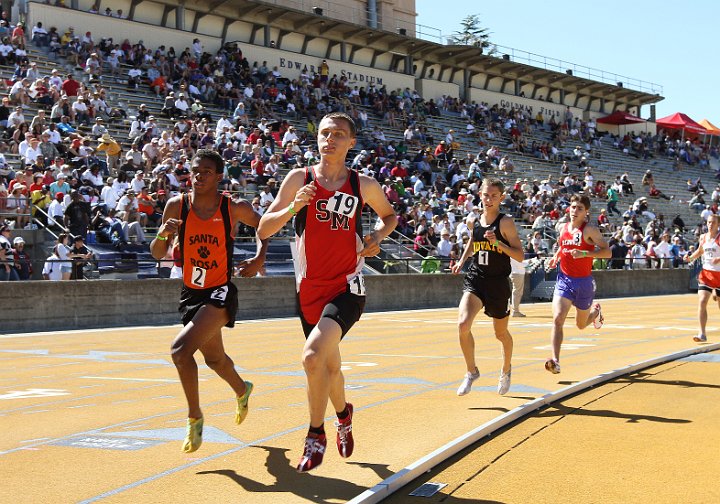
x=317 y=430
x=342 y=415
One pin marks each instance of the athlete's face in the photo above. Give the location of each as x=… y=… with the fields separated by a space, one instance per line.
x=204 y=176
x=578 y=212
x=713 y=223
x=491 y=197
x=334 y=138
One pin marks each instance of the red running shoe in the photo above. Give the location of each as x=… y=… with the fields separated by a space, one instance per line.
x=313 y=452
x=345 y=442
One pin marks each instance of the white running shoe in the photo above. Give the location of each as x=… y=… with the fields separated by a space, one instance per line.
x=467 y=382
x=700 y=338
x=504 y=382
x=519 y=314
x=599 y=320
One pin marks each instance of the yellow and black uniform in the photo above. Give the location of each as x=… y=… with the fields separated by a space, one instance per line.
x=489 y=274
x=206 y=251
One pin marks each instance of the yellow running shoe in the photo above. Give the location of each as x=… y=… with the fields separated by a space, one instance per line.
x=193 y=439
x=242 y=403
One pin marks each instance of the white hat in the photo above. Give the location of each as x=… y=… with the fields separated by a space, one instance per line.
x=18 y=240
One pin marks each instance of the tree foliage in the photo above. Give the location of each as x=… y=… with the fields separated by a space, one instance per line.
x=472 y=34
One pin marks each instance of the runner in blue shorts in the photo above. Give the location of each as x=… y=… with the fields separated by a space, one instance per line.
x=578 y=245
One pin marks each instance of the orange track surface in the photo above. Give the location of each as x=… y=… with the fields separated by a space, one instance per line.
x=99 y=415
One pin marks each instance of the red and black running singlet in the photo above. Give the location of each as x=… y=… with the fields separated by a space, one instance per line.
x=573 y=240
x=328 y=237
x=205 y=250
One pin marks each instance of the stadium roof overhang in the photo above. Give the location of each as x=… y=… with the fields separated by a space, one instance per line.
x=357 y=36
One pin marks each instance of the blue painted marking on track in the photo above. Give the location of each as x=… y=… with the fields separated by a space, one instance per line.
x=210 y=434
x=702 y=358
x=106 y=443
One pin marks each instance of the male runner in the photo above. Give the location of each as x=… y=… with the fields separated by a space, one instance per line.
x=204 y=220
x=578 y=245
x=493 y=241
x=709 y=277
x=326 y=200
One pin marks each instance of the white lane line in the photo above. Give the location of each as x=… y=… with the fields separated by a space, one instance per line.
x=426 y=463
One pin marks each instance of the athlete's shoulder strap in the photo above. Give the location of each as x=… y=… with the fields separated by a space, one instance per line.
x=309 y=174
x=228 y=229
x=184 y=212
x=355 y=186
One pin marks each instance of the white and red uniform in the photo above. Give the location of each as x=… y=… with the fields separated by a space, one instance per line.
x=710 y=273
x=329 y=238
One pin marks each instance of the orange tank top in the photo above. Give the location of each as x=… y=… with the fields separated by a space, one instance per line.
x=206 y=246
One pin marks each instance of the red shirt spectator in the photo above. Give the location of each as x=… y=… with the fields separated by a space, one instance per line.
x=70 y=86
x=399 y=171
x=257 y=166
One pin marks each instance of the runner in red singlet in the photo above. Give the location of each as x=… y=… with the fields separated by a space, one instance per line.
x=327 y=200
x=204 y=220
x=578 y=244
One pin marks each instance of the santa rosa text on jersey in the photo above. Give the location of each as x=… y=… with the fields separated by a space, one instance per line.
x=204 y=239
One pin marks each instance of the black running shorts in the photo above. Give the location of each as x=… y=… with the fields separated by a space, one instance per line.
x=494 y=292
x=345 y=309
x=224 y=296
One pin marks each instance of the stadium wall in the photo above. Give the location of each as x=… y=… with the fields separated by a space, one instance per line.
x=144 y=28
x=48 y=306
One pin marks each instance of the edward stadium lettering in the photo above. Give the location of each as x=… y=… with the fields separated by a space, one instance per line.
x=352 y=77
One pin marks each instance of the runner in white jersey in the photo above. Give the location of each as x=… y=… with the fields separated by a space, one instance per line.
x=709 y=277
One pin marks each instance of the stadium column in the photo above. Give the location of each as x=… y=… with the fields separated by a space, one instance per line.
x=180 y=16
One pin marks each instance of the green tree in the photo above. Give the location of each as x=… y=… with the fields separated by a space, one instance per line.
x=472 y=34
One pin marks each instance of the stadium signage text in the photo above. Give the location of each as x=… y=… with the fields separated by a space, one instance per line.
x=529 y=108
x=351 y=76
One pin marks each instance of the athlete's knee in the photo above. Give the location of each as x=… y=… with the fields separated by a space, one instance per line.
x=464 y=326
x=180 y=353
x=312 y=360
x=503 y=335
x=218 y=363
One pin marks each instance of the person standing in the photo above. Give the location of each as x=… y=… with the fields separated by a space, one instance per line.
x=578 y=245
x=517 y=278
x=493 y=242
x=326 y=200
x=204 y=221
x=709 y=277
x=23 y=263
x=8 y=271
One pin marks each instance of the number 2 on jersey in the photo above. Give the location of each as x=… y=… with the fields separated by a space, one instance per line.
x=198 y=276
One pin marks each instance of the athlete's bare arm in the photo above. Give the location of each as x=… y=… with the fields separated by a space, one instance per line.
x=593 y=236
x=168 y=229
x=293 y=190
x=509 y=232
x=697 y=253
x=457 y=267
x=242 y=211
x=374 y=196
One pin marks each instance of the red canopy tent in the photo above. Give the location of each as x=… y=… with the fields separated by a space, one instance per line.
x=682 y=122
x=620 y=117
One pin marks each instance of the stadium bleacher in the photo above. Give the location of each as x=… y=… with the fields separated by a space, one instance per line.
x=606 y=163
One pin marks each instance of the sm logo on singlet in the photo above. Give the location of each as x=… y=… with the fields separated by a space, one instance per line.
x=337 y=221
